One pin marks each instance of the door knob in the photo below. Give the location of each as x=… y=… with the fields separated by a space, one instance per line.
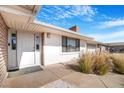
x=8 y=44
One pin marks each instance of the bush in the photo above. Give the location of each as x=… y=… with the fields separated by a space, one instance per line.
x=101 y=64
x=118 y=61
x=86 y=63
x=94 y=63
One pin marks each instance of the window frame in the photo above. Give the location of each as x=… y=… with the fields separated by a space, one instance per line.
x=66 y=48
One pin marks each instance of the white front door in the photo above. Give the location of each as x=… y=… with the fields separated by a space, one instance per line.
x=12 y=50
x=25 y=49
x=38 y=48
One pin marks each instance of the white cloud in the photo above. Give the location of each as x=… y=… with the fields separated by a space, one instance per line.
x=112 y=23
x=84 y=10
x=107 y=17
x=111 y=37
x=63 y=12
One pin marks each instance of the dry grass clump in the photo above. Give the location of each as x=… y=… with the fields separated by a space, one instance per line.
x=118 y=61
x=94 y=63
x=101 y=63
x=86 y=63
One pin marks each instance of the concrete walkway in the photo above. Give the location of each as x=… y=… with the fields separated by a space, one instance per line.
x=62 y=76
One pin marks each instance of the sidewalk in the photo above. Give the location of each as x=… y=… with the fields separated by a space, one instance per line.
x=60 y=76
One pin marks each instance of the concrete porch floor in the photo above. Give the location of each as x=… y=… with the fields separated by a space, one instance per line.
x=23 y=71
x=62 y=76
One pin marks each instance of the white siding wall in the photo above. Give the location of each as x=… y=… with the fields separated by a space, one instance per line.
x=103 y=48
x=82 y=47
x=91 y=47
x=53 y=50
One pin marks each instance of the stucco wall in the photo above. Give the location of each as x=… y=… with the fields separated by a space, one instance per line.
x=53 y=50
x=3 y=50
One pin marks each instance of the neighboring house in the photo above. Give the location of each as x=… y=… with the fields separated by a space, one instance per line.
x=25 y=42
x=117 y=47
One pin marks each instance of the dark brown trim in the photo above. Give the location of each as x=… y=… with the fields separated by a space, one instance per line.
x=42 y=48
x=34 y=47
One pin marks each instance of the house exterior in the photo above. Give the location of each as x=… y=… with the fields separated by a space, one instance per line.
x=25 y=42
x=116 y=47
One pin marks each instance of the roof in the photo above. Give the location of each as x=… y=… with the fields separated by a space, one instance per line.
x=61 y=29
x=22 y=18
x=115 y=44
x=19 y=21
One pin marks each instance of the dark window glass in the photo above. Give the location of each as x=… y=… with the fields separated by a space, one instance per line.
x=13 y=41
x=70 y=44
x=37 y=47
x=64 y=41
x=64 y=44
x=77 y=45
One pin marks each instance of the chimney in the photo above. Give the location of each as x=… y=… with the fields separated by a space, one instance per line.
x=74 y=28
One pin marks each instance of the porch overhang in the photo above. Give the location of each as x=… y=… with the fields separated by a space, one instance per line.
x=21 y=10
x=23 y=23
x=21 y=18
x=19 y=22
x=27 y=10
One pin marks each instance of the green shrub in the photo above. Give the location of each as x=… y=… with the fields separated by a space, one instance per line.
x=118 y=61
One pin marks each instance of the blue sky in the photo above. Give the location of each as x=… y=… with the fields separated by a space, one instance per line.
x=104 y=23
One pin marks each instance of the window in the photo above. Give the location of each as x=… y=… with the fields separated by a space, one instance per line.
x=13 y=41
x=37 y=42
x=70 y=44
x=37 y=46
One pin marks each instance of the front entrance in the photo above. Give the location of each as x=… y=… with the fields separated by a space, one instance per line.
x=12 y=50
x=27 y=51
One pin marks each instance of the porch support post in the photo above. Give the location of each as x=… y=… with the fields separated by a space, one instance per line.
x=42 y=48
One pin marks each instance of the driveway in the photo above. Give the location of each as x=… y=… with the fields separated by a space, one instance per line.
x=64 y=76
